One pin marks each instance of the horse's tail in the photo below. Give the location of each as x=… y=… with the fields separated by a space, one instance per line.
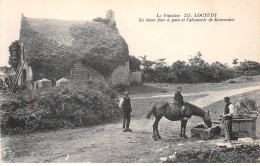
x=152 y=111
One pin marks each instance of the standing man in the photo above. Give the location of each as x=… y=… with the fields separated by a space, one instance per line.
x=125 y=105
x=178 y=100
x=227 y=118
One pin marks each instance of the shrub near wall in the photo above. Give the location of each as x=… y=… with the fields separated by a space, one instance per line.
x=78 y=104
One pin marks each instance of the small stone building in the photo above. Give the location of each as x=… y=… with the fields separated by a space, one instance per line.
x=62 y=82
x=43 y=83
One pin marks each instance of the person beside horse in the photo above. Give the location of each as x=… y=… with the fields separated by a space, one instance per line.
x=227 y=118
x=125 y=105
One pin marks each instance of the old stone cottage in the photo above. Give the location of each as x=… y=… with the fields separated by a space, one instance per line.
x=54 y=49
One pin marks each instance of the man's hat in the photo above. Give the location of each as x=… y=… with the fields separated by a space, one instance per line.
x=179 y=87
x=126 y=93
x=226 y=98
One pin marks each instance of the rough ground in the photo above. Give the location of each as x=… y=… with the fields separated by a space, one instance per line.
x=107 y=143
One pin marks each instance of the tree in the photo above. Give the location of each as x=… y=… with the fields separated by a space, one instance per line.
x=248 y=68
x=146 y=64
x=161 y=71
x=197 y=60
x=178 y=65
x=7 y=70
x=160 y=63
x=179 y=72
x=219 y=72
x=134 y=63
x=14 y=58
x=198 y=72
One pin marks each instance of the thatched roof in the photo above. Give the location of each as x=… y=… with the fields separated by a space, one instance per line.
x=57 y=30
x=57 y=44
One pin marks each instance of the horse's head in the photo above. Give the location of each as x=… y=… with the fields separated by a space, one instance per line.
x=207 y=120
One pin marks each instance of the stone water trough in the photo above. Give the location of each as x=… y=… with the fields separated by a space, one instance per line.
x=242 y=126
x=206 y=133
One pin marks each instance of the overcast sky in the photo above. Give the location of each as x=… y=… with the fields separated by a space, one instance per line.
x=217 y=41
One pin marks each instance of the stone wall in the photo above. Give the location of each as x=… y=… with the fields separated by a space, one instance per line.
x=81 y=71
x=135 y=76
x=120 y=75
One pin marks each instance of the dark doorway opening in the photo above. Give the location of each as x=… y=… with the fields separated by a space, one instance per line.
x=24 y=76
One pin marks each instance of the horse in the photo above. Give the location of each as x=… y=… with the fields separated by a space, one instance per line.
x=172 y=112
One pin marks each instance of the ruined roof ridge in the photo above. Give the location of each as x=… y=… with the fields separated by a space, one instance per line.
x=55 y=19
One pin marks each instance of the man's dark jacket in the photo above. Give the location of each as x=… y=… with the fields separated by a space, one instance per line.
x=127 y=105
x=178 y=99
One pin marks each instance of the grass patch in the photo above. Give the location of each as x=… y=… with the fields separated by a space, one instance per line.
x=202 y=87
x=146 y=89
x=243 y=79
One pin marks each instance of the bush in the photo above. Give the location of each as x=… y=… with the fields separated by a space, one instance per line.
x=195 y=71
x=231 y=81
x=78 y=104
x=121 y=87
x=134 y=83
x=246 y=105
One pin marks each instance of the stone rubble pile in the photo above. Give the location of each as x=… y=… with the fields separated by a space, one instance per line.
x=216 y=151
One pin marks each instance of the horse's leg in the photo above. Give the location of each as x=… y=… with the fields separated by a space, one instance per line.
x=154 y=135
x=155 y=128
x=184 y=128
x=158 y=135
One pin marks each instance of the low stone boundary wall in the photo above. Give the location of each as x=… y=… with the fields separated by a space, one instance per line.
x=245 y=150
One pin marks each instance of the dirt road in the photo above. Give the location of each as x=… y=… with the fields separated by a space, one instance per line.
x=107 y=143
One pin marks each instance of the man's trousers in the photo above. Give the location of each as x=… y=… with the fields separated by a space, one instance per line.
x=126 y=122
